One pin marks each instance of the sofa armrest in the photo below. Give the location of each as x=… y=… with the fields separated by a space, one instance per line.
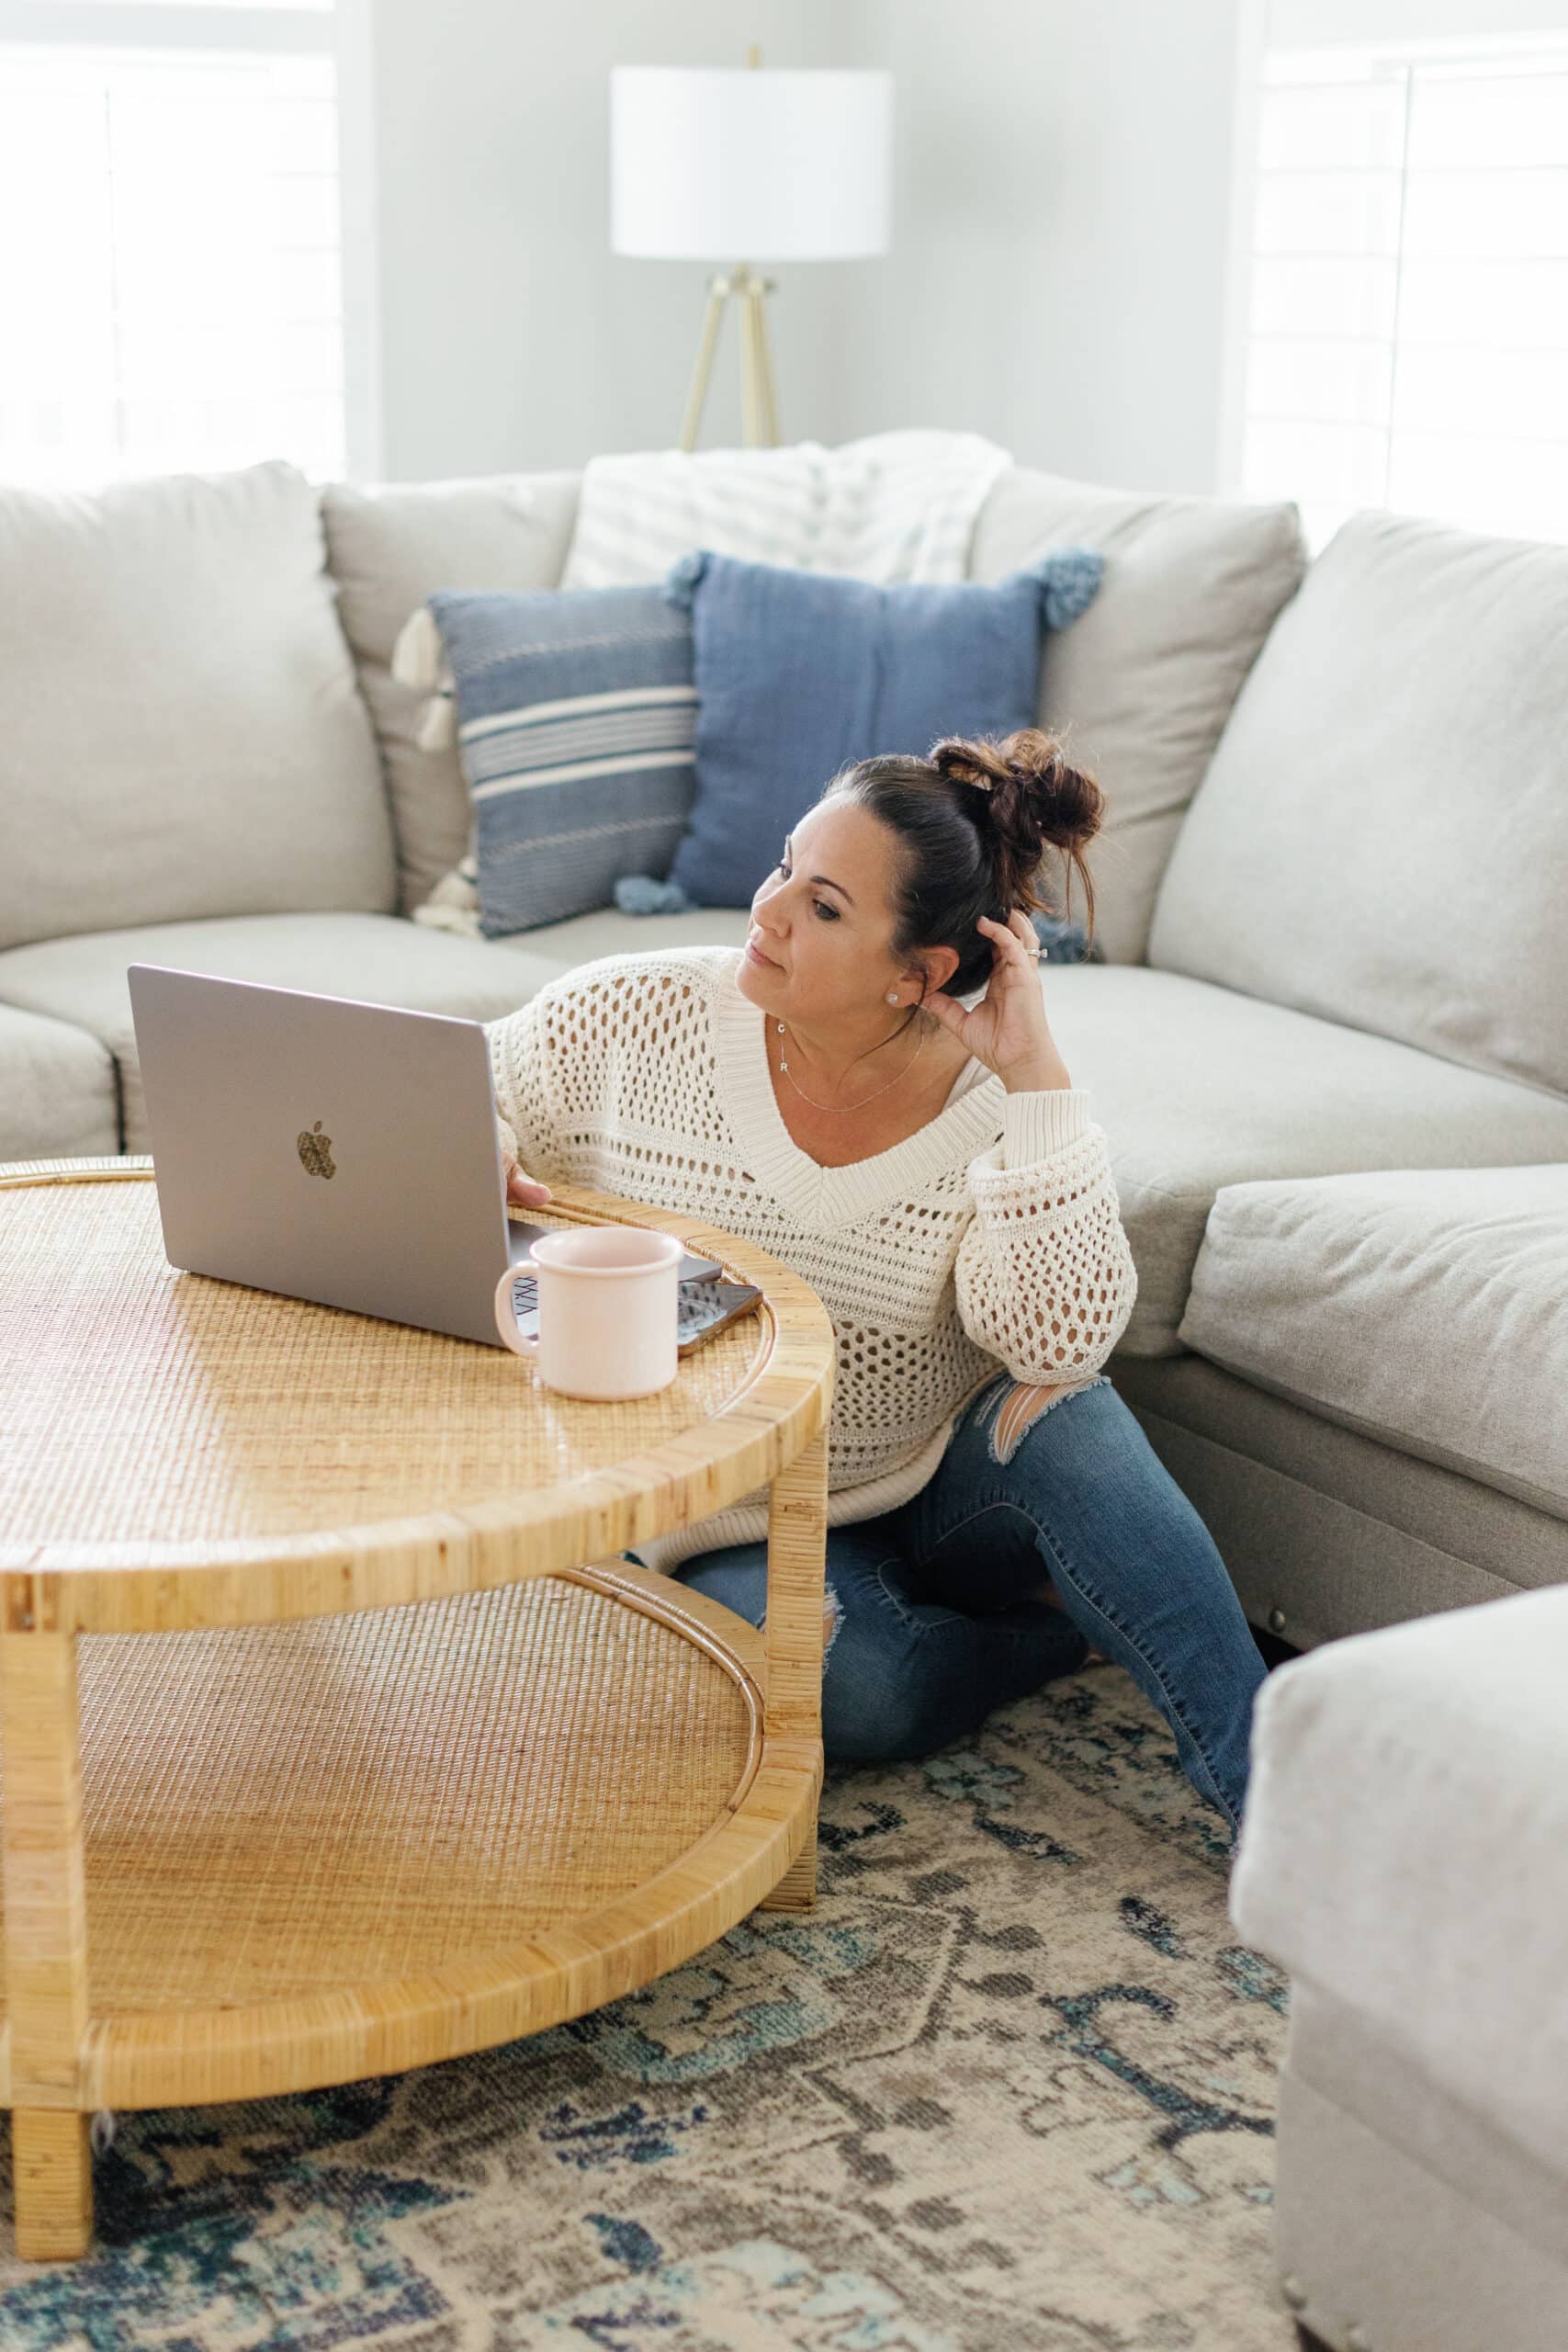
x=1404 y=1848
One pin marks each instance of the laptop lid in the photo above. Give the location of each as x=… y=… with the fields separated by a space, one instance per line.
x=325 y=1148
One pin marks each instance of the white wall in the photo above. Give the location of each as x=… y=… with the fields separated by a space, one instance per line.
x=1062 y=210
x=1308 y=22
x=512 y=336
x=1060 y=225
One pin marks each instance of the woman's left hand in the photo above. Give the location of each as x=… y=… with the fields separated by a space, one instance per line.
x=1008 y=1029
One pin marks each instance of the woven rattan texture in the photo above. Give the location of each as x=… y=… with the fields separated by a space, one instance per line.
x=280 y=1810
x=141 y=1403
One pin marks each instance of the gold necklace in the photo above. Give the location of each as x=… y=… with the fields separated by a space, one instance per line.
x=787 y=1071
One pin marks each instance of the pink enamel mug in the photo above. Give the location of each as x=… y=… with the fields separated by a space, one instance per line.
x=608 y=1310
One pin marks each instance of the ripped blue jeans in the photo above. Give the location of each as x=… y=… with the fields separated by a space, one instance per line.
x=931 y=1607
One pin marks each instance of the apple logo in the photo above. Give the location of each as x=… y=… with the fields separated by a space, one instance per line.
x=316 y=1152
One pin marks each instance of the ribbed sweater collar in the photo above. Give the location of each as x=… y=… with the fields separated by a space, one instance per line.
x=820 y=1196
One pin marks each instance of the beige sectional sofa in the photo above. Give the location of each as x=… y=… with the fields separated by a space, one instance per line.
x=1330 y=1047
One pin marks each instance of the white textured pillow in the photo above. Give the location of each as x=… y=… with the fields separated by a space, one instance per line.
x=180 y=731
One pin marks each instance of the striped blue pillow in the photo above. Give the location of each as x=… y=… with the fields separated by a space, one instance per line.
x=576 y=718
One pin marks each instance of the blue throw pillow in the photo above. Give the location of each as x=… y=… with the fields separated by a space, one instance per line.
x=576 y=710
x=799 y=672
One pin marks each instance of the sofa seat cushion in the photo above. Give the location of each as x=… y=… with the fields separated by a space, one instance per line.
x=1428 y=1307
x=1405 y=1853
x=57 y=1098
x=608 y=931
x=181 y=734
x=1198 y=1087
x=381 y=959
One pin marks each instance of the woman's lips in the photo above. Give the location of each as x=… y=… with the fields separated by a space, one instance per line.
x=757 y=957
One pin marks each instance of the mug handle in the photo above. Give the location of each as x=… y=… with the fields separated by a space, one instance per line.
x=506 y=1317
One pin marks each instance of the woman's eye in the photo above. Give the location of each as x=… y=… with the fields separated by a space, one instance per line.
x=821 y=905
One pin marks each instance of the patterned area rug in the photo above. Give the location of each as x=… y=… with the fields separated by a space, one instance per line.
x=1008 y=2089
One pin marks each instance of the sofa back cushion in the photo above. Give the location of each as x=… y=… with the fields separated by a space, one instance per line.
x=1383 y=836
x=181 y=734
x=389 y=549
x=1142 y=686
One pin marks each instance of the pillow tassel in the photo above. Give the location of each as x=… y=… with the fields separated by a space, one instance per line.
x=1068 y=578
x=680 y=583
x=640 y=894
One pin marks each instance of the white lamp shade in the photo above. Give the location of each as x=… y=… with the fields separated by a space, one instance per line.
x=748 y=164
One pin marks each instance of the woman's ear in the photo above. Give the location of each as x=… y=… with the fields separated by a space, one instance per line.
x=936 y=968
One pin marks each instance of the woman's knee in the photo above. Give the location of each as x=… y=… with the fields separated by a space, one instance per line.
x=1021 y=1406
x=1084 y=1463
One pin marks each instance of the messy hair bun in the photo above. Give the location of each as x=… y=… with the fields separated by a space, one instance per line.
x=975 y=822
x=1033 y=799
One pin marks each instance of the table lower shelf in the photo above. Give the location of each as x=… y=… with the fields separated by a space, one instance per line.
x=350 y=1845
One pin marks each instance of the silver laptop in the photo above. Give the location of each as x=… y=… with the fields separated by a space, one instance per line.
x=329 y=1149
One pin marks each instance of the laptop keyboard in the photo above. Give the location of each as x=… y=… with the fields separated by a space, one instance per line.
x=697 y=1304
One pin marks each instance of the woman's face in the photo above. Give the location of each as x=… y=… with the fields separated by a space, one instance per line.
x=823 y=921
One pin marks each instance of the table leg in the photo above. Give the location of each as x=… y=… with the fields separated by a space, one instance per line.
x=51 y=2166
x=792 y=1709
x=46 y=1929
x=796 y=1891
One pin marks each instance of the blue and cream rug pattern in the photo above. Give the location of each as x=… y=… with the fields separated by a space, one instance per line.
x=1009 y=2088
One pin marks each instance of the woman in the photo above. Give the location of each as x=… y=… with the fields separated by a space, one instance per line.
x=870 y=1091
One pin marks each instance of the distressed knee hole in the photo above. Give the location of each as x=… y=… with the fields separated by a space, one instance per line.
x=1021 y=1407
x=832 y=1619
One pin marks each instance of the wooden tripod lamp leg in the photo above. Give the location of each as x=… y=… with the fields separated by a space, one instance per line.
x=750 y=367
x=797 y=1548
x=713 y=319
x=757 y=294
x=46 y=1929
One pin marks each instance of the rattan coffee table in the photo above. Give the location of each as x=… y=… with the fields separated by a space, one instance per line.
x=335 y=1736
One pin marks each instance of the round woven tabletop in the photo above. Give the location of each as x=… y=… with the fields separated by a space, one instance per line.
x=182 y=1451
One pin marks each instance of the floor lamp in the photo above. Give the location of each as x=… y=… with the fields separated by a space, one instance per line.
x=708 y=161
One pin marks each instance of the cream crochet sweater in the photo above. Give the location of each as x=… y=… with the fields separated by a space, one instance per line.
x=992 y=1236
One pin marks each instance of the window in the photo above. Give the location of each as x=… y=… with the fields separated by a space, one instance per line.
x=175 y=280
x=1406 y=323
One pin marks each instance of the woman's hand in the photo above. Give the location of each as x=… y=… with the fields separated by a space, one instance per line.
x=1008 y=1029
x=520 y=1186
x=523 y=1190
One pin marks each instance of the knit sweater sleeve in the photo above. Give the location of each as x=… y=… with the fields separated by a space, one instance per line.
x=1045 y=1276
x=520 y=1064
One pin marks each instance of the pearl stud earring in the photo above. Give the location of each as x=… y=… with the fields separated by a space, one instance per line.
x=892 y=996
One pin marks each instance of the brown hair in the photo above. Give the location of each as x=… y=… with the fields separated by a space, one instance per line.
x=974 y=821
